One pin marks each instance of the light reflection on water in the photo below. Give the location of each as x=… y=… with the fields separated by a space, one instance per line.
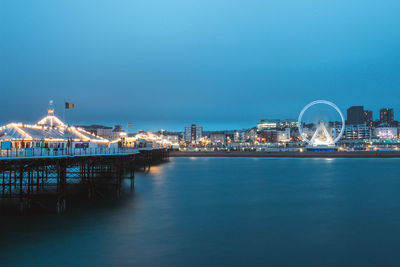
x=226 y=211
x=157 y=169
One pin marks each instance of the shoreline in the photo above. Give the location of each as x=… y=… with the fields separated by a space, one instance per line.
x=290 y=154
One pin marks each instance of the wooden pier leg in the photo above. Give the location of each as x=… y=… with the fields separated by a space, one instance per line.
x=37 y=178
x=61 y=185
x=21 y=177
x=9 y=180
x=132 y=177
x=61 y=204
x=21 y=205
x=24 y=204
x=4 y=184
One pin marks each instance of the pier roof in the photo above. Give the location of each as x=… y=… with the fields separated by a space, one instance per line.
x=48 y=128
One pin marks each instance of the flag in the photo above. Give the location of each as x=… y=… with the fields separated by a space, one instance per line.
x=69 y=105
x=130 y=124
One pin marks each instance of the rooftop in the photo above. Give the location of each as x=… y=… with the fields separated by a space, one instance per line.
x=48 y=128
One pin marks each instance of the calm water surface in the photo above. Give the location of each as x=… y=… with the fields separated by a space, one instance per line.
x=226 y=211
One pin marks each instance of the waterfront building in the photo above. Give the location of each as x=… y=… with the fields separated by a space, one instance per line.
x=385 y=132
x=267 y=125
x=99 y=130
x=288 y=123
x=270 y=124
x=170 y=140
x=50 y=133
x=355 y=132
x=356 y=115
x=386 y=116
x=229 y=136
x=295 y=134
x=110 y=133
x=106 y=132
x=268 y=136
x=115 y=132
x=251 y=135
x=284 y=135
x=193 y=133
x=149 y=140
x=239 y=136
x=218 y=138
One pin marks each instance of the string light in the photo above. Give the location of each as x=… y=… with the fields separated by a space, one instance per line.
x=47 y=125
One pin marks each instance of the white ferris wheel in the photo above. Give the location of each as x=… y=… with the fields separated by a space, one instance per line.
x=321 y=136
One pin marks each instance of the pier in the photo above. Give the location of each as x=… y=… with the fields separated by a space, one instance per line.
x=30 y=174
x=44 y=160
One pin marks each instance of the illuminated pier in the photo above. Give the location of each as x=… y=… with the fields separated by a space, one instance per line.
x=46 y=158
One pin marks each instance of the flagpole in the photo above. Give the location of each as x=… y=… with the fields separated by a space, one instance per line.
x=129 y=124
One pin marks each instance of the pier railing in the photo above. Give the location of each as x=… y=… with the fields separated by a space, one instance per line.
x=57 y=152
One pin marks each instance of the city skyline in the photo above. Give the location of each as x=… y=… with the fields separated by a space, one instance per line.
x=77 y=116
x=220 y=61
x=150 y=126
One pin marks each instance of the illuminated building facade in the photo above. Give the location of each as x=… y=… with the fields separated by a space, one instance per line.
x=218 y=139
x=386 y=116
x=284 y=135
x=276 y=124
x=110 y=133
x=355 y=132
x=369 y=120
x=268 y=136
x=148 y=140
x=385 y=132
x=239 y=136
x=267 y=125
x=251 y=135
x=193 y=133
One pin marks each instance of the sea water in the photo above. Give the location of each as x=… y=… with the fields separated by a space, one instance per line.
x=225 y=212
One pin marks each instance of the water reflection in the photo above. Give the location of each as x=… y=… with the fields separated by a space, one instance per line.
x=224 y=211
x=156 y=169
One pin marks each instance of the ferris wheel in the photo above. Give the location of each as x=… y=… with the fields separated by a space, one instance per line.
x=321 y=129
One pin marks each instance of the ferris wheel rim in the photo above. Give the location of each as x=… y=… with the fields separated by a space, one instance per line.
x=329 y=103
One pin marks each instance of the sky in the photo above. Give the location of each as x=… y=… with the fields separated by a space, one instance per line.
x=219 y=63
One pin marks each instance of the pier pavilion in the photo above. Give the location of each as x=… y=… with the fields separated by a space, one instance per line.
x=50 y=133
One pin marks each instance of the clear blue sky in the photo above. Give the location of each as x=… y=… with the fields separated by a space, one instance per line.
x=176 y=62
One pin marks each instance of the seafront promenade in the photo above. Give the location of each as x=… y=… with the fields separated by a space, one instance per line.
x=288 y=154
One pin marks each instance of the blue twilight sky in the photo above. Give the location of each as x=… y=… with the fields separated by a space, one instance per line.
x=167 y=63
